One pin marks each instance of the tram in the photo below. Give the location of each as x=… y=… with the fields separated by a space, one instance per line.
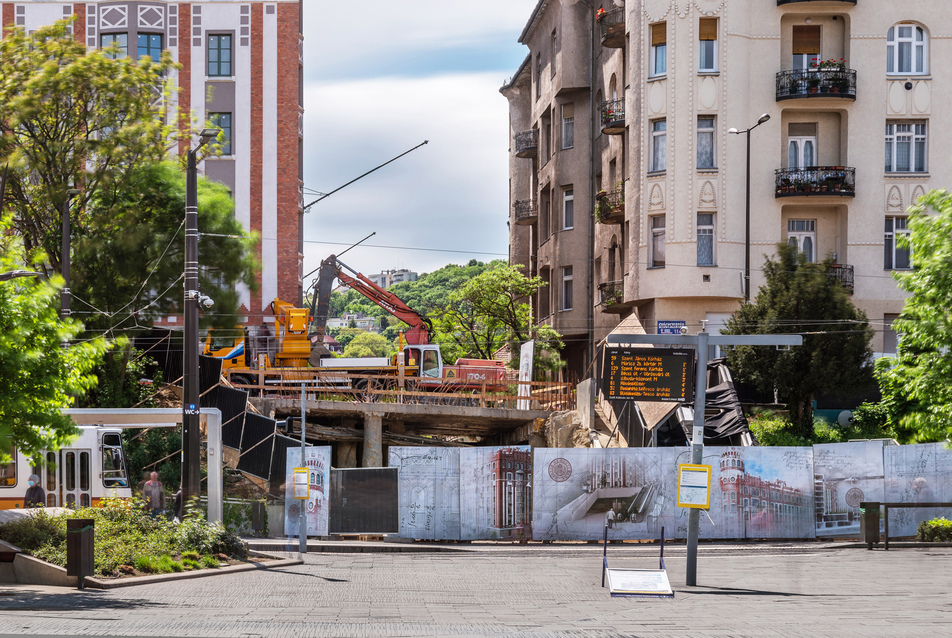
x=92 y=467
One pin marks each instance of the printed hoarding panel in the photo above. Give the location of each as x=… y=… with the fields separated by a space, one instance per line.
x=577 y=491
x=495 y=492
x=318 y=462
x=917 y=474
x=845 y=475
x=428 y=492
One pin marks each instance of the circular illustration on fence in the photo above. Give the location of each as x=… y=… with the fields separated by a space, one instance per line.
x=854 y=496
x=294 y=511
x=560 y=470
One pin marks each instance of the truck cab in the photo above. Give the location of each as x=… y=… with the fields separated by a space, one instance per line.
x=427 y=357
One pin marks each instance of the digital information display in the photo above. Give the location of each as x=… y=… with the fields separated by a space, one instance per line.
x=648 y=374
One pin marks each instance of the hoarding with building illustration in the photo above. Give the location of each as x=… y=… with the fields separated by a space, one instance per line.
x=428 y=492
x=917 y=474
x=495 y=492
x=845 y=475
x=317 y=460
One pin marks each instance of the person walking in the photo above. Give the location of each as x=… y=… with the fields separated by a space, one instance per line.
x=35 y=495
x=154 y=495
x=610 y=518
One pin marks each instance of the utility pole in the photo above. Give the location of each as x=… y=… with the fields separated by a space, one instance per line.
x=65 y=295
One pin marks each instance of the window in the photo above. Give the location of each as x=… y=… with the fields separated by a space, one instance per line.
x=566 y=288
x=150 y=44
x=552 y=43
x=906 y=50
x=113 y=463
x=545 y=309
x=890 y=336
x=896 y=250
x=538 y=75
x=705 y=239
x=544 y=212
x=219 y=55
x=806 y=47
x=657 y=241
x=905 y=147
x=114 y=41
x=659 y=49
x=801 y=234
x=223 y=121
x=568 y=125
x=801 y=152
x=659 y=145
x=568 y=209
x=8 y=471
x=707 y=37
x=705 y=142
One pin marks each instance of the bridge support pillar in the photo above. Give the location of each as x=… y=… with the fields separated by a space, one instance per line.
x=373 y=440
x=346 y=454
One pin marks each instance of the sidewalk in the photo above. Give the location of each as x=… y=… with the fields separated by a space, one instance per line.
x=788 y=589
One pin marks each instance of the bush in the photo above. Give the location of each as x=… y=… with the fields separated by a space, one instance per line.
x=30 y=533
x=938 y=530
x=770 y=428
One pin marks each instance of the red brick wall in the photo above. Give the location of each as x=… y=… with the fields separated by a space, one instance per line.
x=79 y=25
x=185 y=75
x=257 y=89
x=8 y=17
x=289 y=31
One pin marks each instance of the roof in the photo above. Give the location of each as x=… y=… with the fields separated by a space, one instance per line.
x=539 y=8
x=511 y=82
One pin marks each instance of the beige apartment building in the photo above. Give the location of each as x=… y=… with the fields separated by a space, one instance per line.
x=629 y=186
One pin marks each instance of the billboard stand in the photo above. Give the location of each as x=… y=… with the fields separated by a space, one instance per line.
x=639 y=583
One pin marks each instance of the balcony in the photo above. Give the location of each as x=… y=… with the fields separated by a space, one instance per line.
x=612 y=297
x=843 y=273
x=527 y=143
x=612 y=115
x=527 y=213
x=836 y=181
x=829 y=83
x=610 y=206
x=612 y=24
x=781 y=2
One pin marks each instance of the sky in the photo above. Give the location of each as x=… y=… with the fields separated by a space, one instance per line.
x=382 y=76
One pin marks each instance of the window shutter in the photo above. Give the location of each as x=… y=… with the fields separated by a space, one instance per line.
x=707 y=29
x=806 y=40
x=659 y=33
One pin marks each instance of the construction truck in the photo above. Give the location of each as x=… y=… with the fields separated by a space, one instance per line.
x=297 y=354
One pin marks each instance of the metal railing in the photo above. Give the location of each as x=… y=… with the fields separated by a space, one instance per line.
x=527 y=143
x=815 y=180
x=844 y=274
x=816 y=83
x=611 y=293
x=612 y=114
x=526 y=212
x=610 y=206
x=613 y=28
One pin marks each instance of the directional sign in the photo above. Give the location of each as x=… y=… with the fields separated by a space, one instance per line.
x=671 y=327
x=648 y=374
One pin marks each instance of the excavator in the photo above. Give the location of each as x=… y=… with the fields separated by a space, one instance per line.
x=299 y=355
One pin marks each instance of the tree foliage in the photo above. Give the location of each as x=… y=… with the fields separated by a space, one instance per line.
x=917 y=384
x=38 y=376
x=368 y=344
x=802 y=298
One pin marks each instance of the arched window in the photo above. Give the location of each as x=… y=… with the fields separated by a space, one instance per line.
x=907 y=49
x=613 y=88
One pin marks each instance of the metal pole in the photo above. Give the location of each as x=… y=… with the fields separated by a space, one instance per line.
x=302 y=521
x=64 y=295
x=191 y=485
x=747 y=227
x=697 y=450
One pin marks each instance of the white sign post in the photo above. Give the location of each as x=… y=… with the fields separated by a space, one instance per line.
x=526 y=353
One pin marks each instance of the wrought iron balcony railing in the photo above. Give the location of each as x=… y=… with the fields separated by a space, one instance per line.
x=612 y=24
x=527 y=143
x=610 y=206
x=612 y=115
x=836 y=83
x=844 y=274
x=527 y=212
x=612 y=296
x=839 y=181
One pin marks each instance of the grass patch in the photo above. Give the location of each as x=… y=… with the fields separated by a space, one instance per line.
x=210 y=562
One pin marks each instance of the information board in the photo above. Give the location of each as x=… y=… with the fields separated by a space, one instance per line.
x=648 y=374
x=694 y=486
x=301 y=485
x=672 y=327
x=639 y=582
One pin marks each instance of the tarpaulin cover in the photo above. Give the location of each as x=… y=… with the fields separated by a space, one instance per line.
x=232 y=404
x=255 y=449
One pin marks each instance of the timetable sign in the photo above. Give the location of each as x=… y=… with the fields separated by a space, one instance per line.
x=648 y=374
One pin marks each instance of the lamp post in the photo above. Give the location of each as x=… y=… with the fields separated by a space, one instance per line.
x=763 y=118
x=65 y=294
x=191 y=408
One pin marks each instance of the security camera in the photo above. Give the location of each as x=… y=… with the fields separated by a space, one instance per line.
x=684 y=330
x=206 y=301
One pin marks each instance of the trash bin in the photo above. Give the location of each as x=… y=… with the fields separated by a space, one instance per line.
x=80 y=548
x=869 y=523
x=257 y=517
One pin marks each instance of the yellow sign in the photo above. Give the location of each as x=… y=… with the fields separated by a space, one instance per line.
x=694 y=486
x=302 y=488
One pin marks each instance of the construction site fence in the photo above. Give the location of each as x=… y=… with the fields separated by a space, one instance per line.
x=368 y=388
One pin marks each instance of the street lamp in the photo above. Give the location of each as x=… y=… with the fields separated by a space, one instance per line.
x=763 y=118
x=65 y=294
x=191 y=408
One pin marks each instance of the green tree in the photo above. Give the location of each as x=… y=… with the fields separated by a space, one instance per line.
x=801 y=297
x=490 y=311
x=917 y=384
x=38 y=375
x=368 y=344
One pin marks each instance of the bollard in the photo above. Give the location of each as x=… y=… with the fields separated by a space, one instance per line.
x=80 y=548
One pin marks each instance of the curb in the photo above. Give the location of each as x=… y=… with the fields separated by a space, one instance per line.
x=100 y=583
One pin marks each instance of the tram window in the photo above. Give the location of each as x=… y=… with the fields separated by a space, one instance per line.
x=8 y=471
x=84 y=500
x=70 y=500
x=113 y=464
x=50 y=472
x=84 y=471
x=70 y=471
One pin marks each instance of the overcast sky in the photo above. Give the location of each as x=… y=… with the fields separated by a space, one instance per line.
x=382 y=76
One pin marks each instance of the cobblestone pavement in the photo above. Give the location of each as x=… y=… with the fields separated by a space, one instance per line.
x=537 y=591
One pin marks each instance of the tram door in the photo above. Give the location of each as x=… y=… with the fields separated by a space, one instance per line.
x=66 y=476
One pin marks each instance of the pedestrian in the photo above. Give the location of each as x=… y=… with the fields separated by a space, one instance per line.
x=35 y=496
x=610 y=518
x=154 y=495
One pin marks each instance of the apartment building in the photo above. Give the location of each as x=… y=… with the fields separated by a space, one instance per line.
x=387 y=278
x=655 y=91
x=241 y=70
